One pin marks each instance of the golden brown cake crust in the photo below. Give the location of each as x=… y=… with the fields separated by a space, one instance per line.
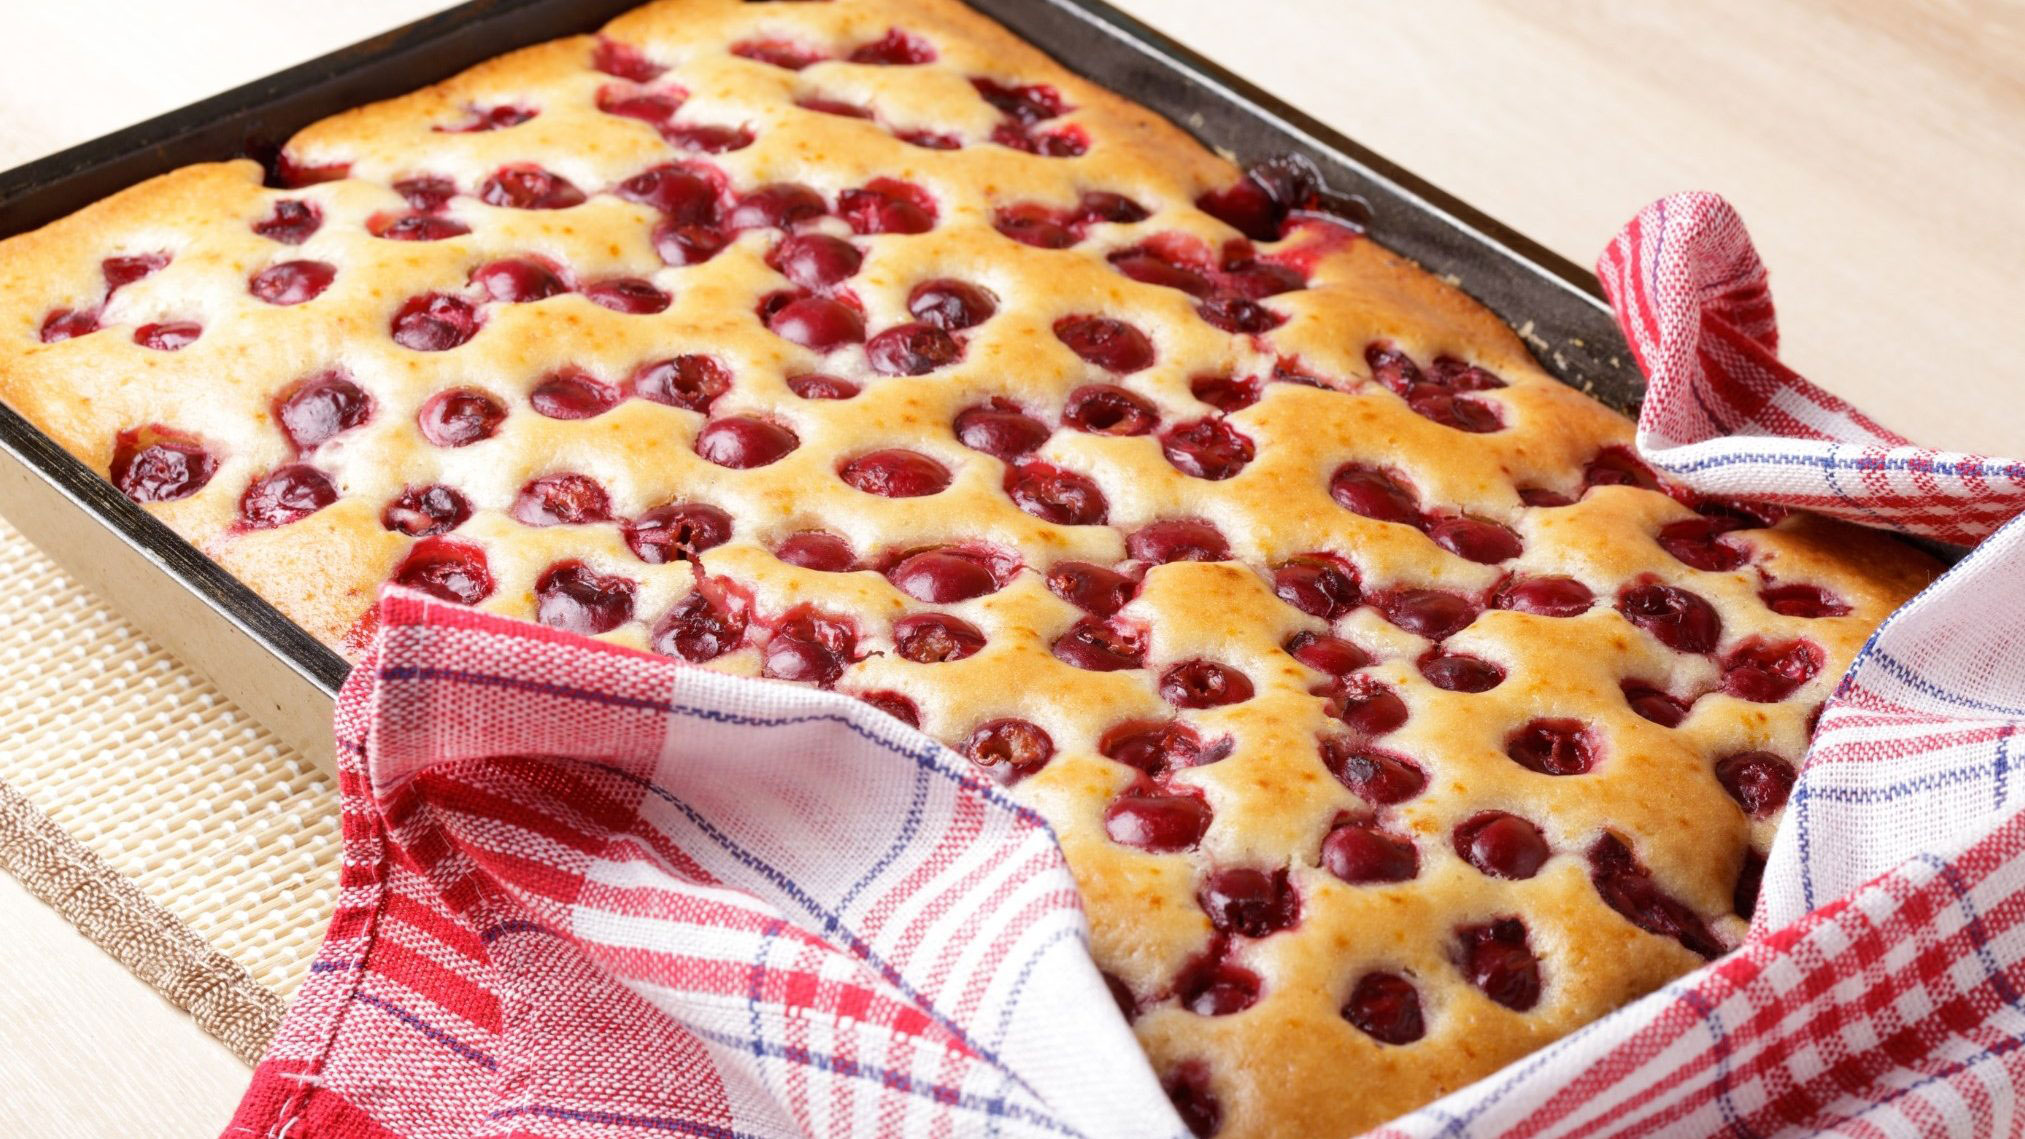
x=1291 y=1063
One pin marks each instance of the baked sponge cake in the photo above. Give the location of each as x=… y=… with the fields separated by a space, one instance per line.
x=1394 y=718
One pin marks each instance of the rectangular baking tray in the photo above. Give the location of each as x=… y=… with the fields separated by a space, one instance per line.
x=286 y=678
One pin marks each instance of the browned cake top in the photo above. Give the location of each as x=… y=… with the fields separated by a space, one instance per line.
x=1393 y=719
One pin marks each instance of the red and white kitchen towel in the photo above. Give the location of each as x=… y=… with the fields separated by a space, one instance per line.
x=588 y=892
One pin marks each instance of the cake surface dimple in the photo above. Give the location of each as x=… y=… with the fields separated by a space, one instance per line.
x=1394 y=718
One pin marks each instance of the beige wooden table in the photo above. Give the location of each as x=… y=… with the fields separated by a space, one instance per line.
x=1877 y=150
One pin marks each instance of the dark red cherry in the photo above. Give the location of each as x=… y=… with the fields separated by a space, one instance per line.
x=1374 y=494
x=634 y=296
x=151 y=464
x=1801 y=600
x=944 y=576
x=1026 y=104
x=446 y=569
x=1207 y=449
x=577 y=599
x=698 y=629
x=817 y=550
x=1386 y=1007
x=951 y=305
x=1553 y=746
x=1101 y=646
x=1331 y=656
x=816 y=385
x=894 y=49
x=1450 y=410
x=1366 y=706
x=1475 y=540
x=691 y=382
x=1655 y=704
x=911 y=349
x=705 y=138
x=1758 y=780
x=1091 y=588
x=1616 y=466
x=1189 y=1091
x=573 y=394
x=895 y=473
x=1769 y=671
x=928 y=139
x=1240 y=315
x=1697 y=542
x=1249 y=902
x=810 y=647
x=1035 y=225
x=318 y=409
x=779 y=205
x=1217 y=988
x=1107 y=206
x=676 y=532
x=69 y=324
x=1066 y=143
x=422 y=511
x=743 y=442
x=1000 y=429
x=1147 y=818
x=519 y=280
x=290 y=282
x=1430 y=613
x=1545 y=596
x=1318 y=585
x=827 y=106
x=1010 y=749
x=779 y=53
x=291 y=222
x=1152 y=265
x=887 y=206
x=1257 y=280
x=1628 y=888
x=1203 y=684
x=1750 y=878
x=1498 y=962
x=1258 y=203
x=1542 y=497
x=434 y=322
x=1107 y=409
x=815 y=261
x=1678 y=619
x=654 y=107
x=565 y=499
x=1360 y=853
x=935 y=638
x=426 y=193
x=1110 y=344
x=1450 y=372
x=1178 y=540
x=168 y=336
x=1502 y=845
x=680 y=243
x=624 y=61
x=1454 y=672
x=415 y=227
x=524 y=186
x=895 y=705
x=1225 y=393
x=819 y=324
x=284 y=495
x=1054 y=495
x=1157 y=747
x=293 y=174
x=459 y=417
x=1377 y=777
x=120 y=272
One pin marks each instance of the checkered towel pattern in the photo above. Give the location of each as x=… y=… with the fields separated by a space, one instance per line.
x=592 y=893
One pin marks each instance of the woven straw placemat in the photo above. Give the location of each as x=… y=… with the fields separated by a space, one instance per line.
x=162 y=821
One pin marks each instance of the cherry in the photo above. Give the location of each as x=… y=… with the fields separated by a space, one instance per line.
x=1248 y=902
x=1800 y=600
x=1556 y=746
x=1360 y=853
x=1318 y=585
x=446 y=569
x=630 y=295
x=1696 y=542
x=1052 y=494
x=911 y=349
x=415 y=227
x=1105 y=206
x=950 y=305
x=151 y=464
x=1178 y=540
x=1551 y=596
x=1475 y=540
x=942 y=576
x=1239 y=315
x=815 y=261
x=1188 y=1090
x=1066 y=143
x=1107 y=409
x=315 y=410
x=524 y=186
x=690 y=382
x=284 y=495
x=1147 y=818
x=1107 y=343
x=1377 y=777
x=1260 y=202
x=1758 y=780
x=705 y=138
x=698 y=629
x=1331 y=656
x=1628 y=888
x=1450 y=372
x=519 y=280
x=654 y=107
x=1206 y=449
x=1209 y=986
x=1616 y=466
x=1374 y=494
x=1429 y=613
x=900 y=708
x=1676 y=618
x=895 y=473
x=1148 y=267
x=624 y=61
x=426 y=193
x=935 y=638
x=1502 y=845
x=1498 y=962
x=1766 y=672
x=434 y=322
x=895 y=49
x=817 y=550
x=1542 y=497
x=825 y=105
x=1034 y=225
x=460 y=417
x=565 y=499
x=743 y=442
x=572 y=394
x=288 y=283
x=808 y=646
x=1203 y=684
x=819 y=324
x=1365 y=706
x=1655 y=704
x=887 y=206
x=1750 y=877
x=1090 y=588
x=778 y=205
x=1009 y=749
x=168 y=336
x=1100 y=646
x=1158 y=747
x=779 y=53
x=120 y=272
x=1000 y=429
x=491 y=119
x=291 y=222
x=1225 y=393
x=1029 y=104
x=1386 y=1007
x=676 y=532
x=1256 y=280
x=680 y=243
x=1454 y=672
x=928 y=139
x=294 y=175
x=577 y=599
x=422 y=511
x=1451 y=410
